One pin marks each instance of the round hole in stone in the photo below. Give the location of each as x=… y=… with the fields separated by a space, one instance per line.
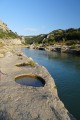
x=30 y=80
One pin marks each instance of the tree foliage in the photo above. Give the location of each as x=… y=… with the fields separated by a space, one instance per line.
x=67 y=36
x=8 y=34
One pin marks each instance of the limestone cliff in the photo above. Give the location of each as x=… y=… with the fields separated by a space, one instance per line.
x=7 y=36
x=3 y=26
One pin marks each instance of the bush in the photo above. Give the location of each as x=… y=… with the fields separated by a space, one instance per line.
x=69 y=37
x=72 y=42
x=29 y=63
x=8 y=34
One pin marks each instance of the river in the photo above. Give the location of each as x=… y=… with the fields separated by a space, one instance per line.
x=65 y=69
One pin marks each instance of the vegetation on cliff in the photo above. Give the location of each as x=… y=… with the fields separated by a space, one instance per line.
x=69 y=37
x=8 y=35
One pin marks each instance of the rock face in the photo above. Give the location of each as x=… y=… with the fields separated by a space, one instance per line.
x=7 y=37
x=18 y=102
x=9 y=42
x=41 y=48
x=3 y=26
x=15 y=41
x=1 y=55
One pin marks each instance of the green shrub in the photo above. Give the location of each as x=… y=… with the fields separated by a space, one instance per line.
x=55 y=87
x=8 y=34
x=29 y=63
x=72 y=42
x=69 y=37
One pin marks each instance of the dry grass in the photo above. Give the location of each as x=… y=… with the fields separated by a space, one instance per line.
x=29 y=63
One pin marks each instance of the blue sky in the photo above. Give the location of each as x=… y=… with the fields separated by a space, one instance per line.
x=32 y=17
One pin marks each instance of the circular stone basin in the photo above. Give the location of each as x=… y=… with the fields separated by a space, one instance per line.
x=30 y=80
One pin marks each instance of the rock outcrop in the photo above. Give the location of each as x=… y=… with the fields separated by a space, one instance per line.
x=3 y=26
x=15 y=41
x=18 y=102
x=7 y=37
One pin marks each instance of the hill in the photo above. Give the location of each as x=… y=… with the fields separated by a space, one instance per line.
x=68 y=37
x=7 y=36
x=5 y=32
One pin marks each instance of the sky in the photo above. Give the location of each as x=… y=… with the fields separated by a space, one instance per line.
x=33 y=17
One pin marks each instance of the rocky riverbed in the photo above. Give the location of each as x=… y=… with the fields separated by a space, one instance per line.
x=75 y=49
x=19 y=102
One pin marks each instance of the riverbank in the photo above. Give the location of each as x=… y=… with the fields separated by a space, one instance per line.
x=75 y=49
x=27 y=102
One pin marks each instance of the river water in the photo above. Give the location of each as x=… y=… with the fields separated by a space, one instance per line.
x=65 y=69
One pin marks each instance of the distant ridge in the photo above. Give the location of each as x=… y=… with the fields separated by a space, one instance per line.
x=69 y=36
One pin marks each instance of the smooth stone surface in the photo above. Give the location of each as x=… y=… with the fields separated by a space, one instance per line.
x=19 y=102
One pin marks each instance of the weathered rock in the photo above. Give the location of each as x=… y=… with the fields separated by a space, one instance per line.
x=1 y=55
x=73 y=51
x=18 y=102
x=15 y=41
x=57 y=49
x=41 y=48
x=3 y=26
